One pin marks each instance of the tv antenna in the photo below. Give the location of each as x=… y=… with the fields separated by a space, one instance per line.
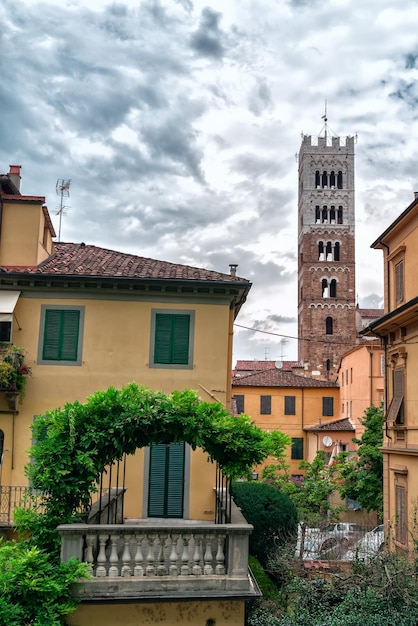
x=63 y=190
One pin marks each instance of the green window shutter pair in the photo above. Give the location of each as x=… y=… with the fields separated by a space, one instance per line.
x=297 y=448
x=166 y=480
x=172 y=333
x=61 y=335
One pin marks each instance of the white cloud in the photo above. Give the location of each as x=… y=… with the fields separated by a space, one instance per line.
x=178 y=124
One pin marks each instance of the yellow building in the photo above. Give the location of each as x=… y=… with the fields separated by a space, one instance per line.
x=361 y=379
x=398 y=330
x=87 y=318
x=278 y=399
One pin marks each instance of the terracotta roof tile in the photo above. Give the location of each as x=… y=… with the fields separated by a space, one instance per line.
x=79 y=259
x=279 y=378
x=342 y=424
x=254 y=365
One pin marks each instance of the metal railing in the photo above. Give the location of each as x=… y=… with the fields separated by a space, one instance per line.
x=12 y=497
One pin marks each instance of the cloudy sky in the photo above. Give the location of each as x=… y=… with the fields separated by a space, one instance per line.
x=178 y=122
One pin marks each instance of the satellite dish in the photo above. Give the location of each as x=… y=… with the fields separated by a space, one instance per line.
x=278 y=365
x=327 y=441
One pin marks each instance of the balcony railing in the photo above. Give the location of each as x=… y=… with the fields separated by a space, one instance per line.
x=156 y=559
x=10 y=499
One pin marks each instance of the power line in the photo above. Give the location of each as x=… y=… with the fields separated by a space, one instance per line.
x=269 y=332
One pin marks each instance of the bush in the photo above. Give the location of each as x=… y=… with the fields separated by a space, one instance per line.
x=34 y=591
x=272 y=514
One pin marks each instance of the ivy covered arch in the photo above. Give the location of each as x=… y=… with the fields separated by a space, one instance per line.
x=74 y=444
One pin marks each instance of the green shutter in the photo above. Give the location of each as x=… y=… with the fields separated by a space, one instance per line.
x=181 y=335
x=69 y=335
x=61 y=335
x=166 y=480
x=171 y=339
x=297 y=448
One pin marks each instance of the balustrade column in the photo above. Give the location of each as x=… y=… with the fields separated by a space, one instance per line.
x=139 y=557
x=114 y=559
x=101 y=557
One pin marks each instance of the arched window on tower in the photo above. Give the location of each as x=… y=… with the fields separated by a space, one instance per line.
x=317 y=214
x=336 y=251
x=324 y=180
x=332 y=215
x=329 y=326
x=317 y=179
x=329 y=251
x=324 y=288
x=340 y=215
x=333 y=288
x=321 y=256
x=328 y=365
x=332 y=180
x=340 y=180
x=325 y=215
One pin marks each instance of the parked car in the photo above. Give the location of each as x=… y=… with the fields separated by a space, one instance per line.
x=337 y=539
x=332 y=541
x=371 y=544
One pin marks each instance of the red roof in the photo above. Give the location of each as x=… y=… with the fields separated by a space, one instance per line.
x=279 y=378
x=79 y=259
x=257 y=366
x=340 y=425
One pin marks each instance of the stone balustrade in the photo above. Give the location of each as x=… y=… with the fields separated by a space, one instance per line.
x=149 y=559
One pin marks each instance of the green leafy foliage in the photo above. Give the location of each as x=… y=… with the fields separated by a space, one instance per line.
x=363 y=478
x=74 y=444
x=311 y=496
x=33 y=590
x=382 y=592
x=272 y=514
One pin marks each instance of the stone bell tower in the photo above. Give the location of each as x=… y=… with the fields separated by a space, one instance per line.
x=326 y=252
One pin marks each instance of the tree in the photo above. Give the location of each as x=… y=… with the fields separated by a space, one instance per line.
x=362 y=479
x=272 y=514
x=311 y=496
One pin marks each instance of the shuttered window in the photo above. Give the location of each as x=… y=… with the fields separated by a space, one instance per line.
x=61 y=335
x=401 y=528
x=265 y=405
x=395 y=412
x=239 y=399
x=399 y=282
x=172 y=339
x=297 y=448
x=328 y=405
x=290 y=405
x=166 y=480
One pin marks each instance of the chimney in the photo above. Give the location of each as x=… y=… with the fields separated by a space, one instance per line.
x=14 y=175
x=415 y=195
x=233 y=269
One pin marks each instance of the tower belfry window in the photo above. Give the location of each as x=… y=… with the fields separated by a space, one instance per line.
x=333 y=289
x=329 y=326
x=329 y=251
x=340 y=180
x=321 y=251
x=340 y=215
x=332 y=215
x=336 y=251
x=332 y=180
x=317 y=179
x=317 y=214
x=324 y=180
x=324 y=215
x=324 y=288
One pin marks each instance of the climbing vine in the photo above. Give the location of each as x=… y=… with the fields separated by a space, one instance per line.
x=74 y=444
